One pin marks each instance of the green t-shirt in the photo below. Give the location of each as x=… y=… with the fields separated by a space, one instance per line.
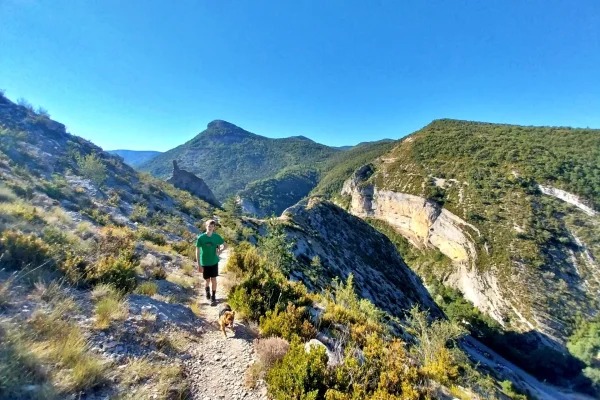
x=208 y=248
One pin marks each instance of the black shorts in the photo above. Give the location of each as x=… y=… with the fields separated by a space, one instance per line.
x=210 y=271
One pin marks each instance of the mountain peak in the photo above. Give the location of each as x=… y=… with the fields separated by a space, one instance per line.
x=219 y=123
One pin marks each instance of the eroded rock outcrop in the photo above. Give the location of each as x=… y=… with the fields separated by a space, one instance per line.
x=187 y=181
x=422 y=222
x=426 y=225
x=347 y=245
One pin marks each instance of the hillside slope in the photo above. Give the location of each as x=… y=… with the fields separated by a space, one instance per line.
x=135 y=157
x=272 y=196
x=228 y=157
x=513 y=208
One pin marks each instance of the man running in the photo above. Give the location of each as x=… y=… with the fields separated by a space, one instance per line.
x=208 y=247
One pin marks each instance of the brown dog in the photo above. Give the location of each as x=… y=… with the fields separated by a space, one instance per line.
x=226 y=318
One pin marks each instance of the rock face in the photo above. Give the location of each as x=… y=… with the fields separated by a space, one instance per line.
x=426 y=225
x=568 y=197
x=187 y=181
x=422 y=222
x=345 y=244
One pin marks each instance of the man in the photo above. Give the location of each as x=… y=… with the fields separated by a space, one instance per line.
x=208 y=247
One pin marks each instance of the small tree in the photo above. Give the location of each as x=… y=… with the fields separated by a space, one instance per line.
x=92 y=168
x=277 y=249
x=42 y=112
x=433 y=339
x=232 y=207
x=24 y=103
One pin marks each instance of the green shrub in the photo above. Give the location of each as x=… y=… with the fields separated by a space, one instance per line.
x=147 y=288
x=288 y=324
x=509 y=390
x=139 y=213
x=264 y=291
x=152 y=236
x=92 y=168
x=300 y=375
x=98 y=216
x=118 y=271
x=18 y=250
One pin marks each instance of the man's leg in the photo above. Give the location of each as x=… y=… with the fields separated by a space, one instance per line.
x=214 y=288
x=207 y=288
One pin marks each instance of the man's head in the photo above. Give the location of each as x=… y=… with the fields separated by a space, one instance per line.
x=210 y=226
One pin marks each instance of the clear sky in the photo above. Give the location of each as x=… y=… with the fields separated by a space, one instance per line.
x=149 y=75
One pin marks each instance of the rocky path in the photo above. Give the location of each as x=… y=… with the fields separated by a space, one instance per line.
x=217 y=367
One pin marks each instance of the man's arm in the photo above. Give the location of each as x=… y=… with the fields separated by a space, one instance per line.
x=198 y=259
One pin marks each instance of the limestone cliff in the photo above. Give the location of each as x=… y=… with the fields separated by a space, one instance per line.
x=189 y=182
x=522 y=247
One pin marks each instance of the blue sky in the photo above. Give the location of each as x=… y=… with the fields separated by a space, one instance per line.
x=149 y=75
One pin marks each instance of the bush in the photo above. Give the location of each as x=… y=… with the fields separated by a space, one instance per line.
x=271 y=350
x=92 y=168
x=152 y=236
x=431 y=350
x=288 y=324
x=118 y=271
x=147 y=288
x=265 y=291
x=158 y=273
x=299 y=375
x=139 y=213
x=18 y=251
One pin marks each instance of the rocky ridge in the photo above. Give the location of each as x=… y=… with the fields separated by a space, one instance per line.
x=346 y=245
x=189 y=182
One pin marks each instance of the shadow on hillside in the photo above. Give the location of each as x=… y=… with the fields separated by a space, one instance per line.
x=537 y=354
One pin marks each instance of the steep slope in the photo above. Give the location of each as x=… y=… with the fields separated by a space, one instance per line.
x=347 y=245
x=341 y=166
x=228 y=157
x=135 y=157
x=513 y=208
x=273 y=195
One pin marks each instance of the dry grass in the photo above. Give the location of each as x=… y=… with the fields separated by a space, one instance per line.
x=110 y=307
x=172 y=342
x=103 y=290
x=157 y=381
x=51 y=293
x=188 y=269
x=5 y=293
x=83 y=228
x=7 y=195
x=57 y=215
x=182 y=281
x=195 y=308
x=147 y=288
x=271 y=350
x=59 y=342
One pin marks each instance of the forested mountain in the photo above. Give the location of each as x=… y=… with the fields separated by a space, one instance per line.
x=135 y=157
x=272 y=196
x=506 y=214
x=228 y=157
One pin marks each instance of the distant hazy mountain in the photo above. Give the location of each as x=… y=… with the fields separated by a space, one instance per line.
x=135 y=157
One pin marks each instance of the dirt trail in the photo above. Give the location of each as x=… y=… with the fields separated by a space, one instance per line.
x=217 y=366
